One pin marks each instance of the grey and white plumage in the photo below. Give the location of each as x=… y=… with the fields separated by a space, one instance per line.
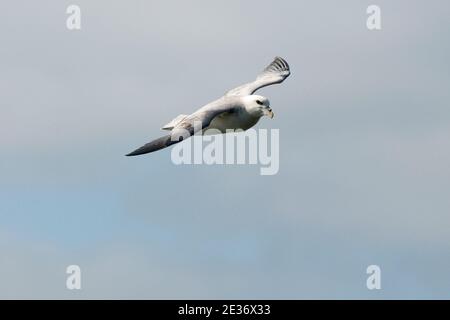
x=239 y=108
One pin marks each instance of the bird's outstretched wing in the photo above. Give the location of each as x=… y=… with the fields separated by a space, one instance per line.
x=274 y=73
x=190 y=125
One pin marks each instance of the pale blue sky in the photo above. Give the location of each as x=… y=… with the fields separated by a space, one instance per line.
x=364 y=126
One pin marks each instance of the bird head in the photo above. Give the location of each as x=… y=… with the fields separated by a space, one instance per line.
x=258 y=105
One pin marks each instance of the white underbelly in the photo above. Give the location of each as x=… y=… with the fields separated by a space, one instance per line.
x=232 y=121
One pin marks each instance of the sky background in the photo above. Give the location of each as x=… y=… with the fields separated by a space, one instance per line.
x=364 y=175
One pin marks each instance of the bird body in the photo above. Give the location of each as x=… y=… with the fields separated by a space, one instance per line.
x=239 y=108
x=239 y=119
x=242 y=115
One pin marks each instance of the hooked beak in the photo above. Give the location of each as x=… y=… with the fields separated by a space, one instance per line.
x=269 y=113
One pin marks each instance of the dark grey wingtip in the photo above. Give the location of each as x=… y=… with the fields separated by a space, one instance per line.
x=278 y=65
x=134 y=153
x=153 y=146
x=131 y=154
x=142 y=150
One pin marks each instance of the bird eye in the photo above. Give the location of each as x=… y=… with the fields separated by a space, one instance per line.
x=259 y=102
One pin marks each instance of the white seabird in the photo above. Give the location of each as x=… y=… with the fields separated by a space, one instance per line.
x=239 y=108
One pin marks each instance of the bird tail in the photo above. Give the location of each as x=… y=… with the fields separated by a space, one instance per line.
x=154 y=145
